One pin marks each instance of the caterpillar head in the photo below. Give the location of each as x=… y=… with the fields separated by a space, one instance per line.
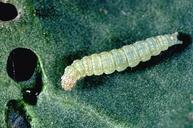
x=69 y=78
x=67 y=82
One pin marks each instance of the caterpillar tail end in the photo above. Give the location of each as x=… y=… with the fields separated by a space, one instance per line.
x=67 y=82
x=175 y=39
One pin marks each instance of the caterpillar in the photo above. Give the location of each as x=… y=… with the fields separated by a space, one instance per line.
x=117 y=59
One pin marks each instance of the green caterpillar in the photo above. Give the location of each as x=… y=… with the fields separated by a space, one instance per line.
x=117 y=59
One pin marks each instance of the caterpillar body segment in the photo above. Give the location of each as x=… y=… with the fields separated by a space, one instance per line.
x=117 y=59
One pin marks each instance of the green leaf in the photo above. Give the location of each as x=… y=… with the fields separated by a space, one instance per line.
x=155 y=94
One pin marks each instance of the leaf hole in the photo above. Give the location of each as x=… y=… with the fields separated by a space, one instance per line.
x=7 y=11
x=21 y=64
x=16 y=115
x=30 y=95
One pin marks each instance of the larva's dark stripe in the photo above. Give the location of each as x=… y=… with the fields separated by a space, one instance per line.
x=117 y=59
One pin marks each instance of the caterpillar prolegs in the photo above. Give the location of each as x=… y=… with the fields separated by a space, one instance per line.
x=117 y=59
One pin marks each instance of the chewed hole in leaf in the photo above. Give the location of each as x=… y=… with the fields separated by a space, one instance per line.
x=7 y=11
x=21 y=64
x=30 y=96
x=16 y=116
